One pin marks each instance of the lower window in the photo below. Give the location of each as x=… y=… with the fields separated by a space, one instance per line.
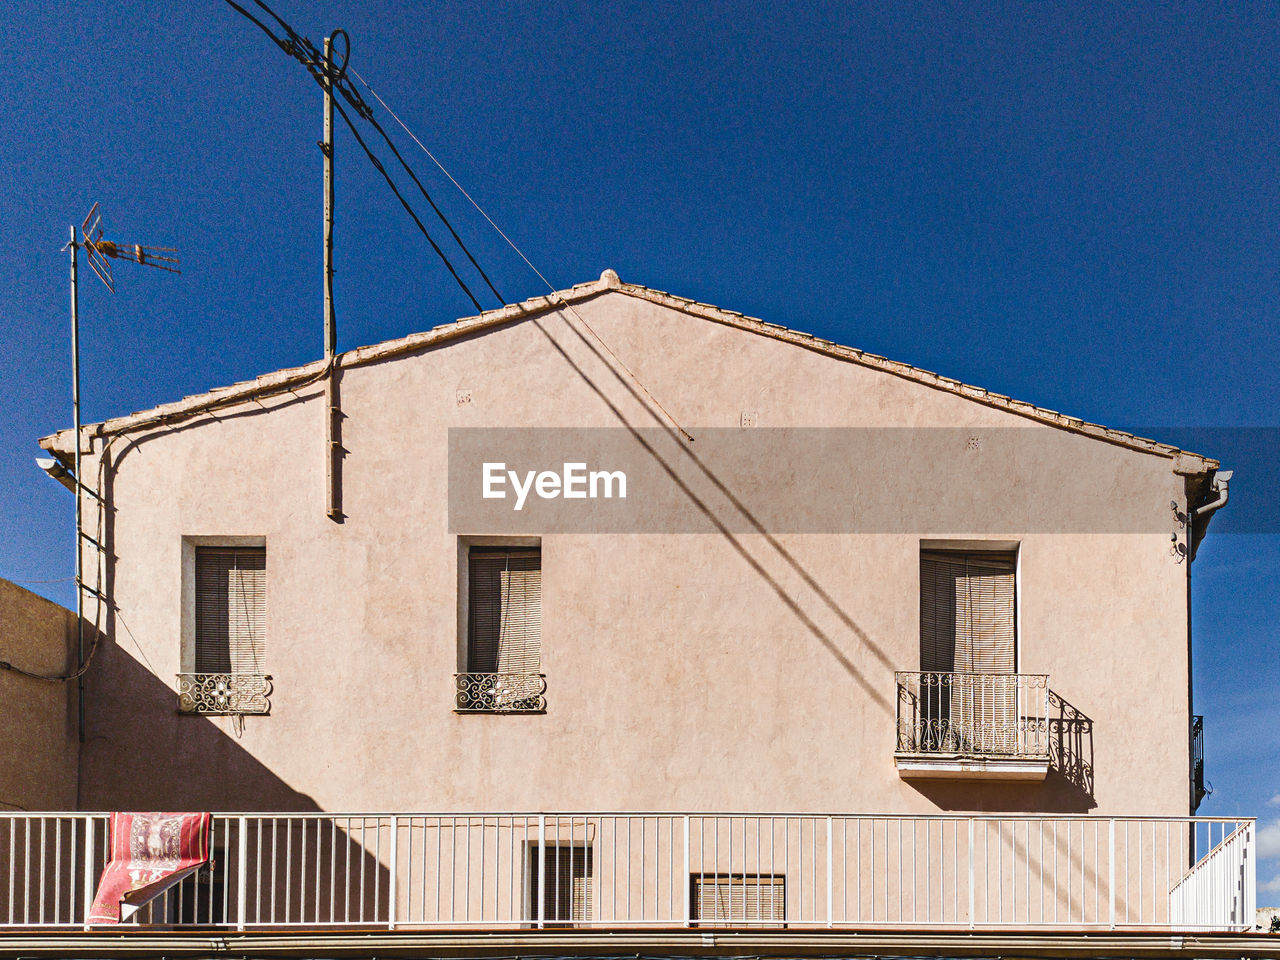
x=725 y=898
x=563 y=896
x=200 y=898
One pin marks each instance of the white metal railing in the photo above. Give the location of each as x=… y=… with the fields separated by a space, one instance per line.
x=973 y=714
x=1219 y=891
x=608 y=870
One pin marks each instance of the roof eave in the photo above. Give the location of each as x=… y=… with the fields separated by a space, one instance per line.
x=1185 y=463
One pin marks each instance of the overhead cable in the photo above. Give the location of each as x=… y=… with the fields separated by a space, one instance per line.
x=520 y=253
x=333 y=77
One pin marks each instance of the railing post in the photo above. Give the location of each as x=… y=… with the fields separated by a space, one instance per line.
x=1250 y=878
x=90 y=886
x=688 y=877
x=242 y=870
x=1043 y=744
x=830 y=884
x=972 y=893
x=1111 y=865
x=542 y=868
x=391 y=880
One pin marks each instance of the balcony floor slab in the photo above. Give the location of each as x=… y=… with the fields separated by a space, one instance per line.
x=459 y=945
x=957 y=767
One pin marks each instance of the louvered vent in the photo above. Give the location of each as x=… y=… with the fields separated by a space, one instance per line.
x=737 y=898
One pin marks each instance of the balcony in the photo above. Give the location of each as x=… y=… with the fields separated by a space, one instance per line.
x=500 y=693
x=218 y=694
x=972 y=725
x=671 y=871
x=1198 y=788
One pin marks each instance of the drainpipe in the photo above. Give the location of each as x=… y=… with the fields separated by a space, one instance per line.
x=1197 y=524
x=1220 y=482
x=1201 y=514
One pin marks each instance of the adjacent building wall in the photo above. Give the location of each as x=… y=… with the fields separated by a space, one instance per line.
x=40 y=744
x=722 y=670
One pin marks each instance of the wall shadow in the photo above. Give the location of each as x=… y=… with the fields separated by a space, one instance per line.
x=1054 y=794
x=1068 y=788
x=686 y=454
x=140 y=753
x=1071 y=744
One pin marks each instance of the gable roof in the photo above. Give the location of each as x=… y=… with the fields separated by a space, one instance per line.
x=290 y=378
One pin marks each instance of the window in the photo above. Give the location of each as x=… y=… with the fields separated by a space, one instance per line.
x=967 y=612
x=723 y=898
x=565 y=895
x=201 y=897
x=968 y=648
x=501 y=672
x=231 y=605
x=224 y=630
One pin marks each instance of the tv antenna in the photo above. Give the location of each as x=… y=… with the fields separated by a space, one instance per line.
x=99 y=252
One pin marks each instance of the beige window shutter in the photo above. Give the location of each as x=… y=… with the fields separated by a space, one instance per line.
x=231 y=607
x=505 y=611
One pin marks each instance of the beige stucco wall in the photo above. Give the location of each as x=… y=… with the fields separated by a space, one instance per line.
x=715 y=671
x=38 y=763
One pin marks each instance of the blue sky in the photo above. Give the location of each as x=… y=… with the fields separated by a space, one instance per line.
x=1071 y=204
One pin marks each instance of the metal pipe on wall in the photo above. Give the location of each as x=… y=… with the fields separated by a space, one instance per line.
x=78 y=488
x=333 y=504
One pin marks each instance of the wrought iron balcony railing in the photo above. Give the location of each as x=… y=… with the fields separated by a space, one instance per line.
x=973 y=714
x=616 y=871
x=224 y=693
x=500 y=692
x=1198 y=789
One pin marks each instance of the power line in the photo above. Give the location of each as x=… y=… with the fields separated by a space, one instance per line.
x=461 y=189
x=520 y=253
x=331 y=76
x=377 y=165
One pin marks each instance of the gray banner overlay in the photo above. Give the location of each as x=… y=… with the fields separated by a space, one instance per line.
x=920 y=481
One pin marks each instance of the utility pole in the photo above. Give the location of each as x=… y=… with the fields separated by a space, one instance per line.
x=333 y=465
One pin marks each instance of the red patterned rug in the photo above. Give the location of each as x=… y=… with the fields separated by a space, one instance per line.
x=150 y=852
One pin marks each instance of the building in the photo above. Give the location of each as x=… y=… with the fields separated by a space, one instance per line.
x=622 y=612
x=38 y=769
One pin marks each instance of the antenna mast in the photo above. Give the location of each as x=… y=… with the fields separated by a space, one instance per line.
x=99 y=253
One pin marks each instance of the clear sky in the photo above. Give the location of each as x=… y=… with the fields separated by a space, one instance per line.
x=1073 y=204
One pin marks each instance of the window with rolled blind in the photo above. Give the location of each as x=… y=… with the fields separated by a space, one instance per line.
x=504 y=610
x=968 y=652
x=967 y=616
x=230 y=609
x=736 y=897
